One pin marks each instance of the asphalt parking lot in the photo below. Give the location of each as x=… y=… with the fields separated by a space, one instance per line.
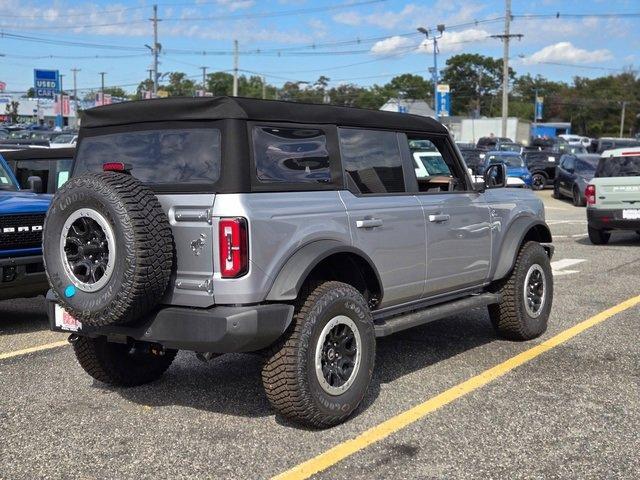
x=572 y=411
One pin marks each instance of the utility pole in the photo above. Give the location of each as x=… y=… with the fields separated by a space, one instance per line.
x=204 y=78
x=624 y=108
x=75 y=92
x=60 y=116
x=264 y=88
x=102 y=74
x=235 y=68
x=155 y=51
x=506 y=37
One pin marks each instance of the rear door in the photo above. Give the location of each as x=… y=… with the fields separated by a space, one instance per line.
x=457 y=219
x=567 y=174
x=386 y=219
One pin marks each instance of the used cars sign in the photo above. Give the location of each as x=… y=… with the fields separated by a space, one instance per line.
x=46 y=83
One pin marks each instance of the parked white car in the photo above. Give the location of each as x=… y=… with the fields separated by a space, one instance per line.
x=64 y=140
x=576 y=140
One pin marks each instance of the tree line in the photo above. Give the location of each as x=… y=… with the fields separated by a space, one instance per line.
x=592 y=105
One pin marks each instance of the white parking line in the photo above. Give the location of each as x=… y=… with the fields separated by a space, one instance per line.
x=558 y=267
x=578 y=235
x=560 y=222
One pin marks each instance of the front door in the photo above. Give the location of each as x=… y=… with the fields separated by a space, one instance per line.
x=457 y=219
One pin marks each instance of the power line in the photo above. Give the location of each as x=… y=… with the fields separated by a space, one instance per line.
x=228 y=17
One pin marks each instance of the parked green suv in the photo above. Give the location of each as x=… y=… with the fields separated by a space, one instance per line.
x=613 y=195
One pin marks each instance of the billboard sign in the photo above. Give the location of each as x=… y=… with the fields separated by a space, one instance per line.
x=443 y=100
x=103 y=99
x=46 y=83
x=539 y=108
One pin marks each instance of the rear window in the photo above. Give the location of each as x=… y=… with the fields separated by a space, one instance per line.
x=164 y=156
x=291 y=155
x=626 y=166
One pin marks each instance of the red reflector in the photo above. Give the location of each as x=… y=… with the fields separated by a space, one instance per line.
x=114 y=167
x=234 y=247
x=631 y=154
x=590 y=194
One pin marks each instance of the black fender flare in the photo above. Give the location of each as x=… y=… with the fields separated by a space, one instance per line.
x=297 y=268
x=510 y=246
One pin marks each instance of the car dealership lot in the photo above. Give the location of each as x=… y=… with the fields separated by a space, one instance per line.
x=570 y=412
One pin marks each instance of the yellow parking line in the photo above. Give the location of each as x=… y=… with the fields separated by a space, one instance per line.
x=406 y=418
x=38 y=348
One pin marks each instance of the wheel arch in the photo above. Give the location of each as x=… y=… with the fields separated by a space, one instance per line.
x=327 y=260
x=521 y=230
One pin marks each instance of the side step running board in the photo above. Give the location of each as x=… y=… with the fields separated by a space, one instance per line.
x=436 y=312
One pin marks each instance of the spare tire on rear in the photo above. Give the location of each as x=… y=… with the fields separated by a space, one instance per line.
x=108 y=248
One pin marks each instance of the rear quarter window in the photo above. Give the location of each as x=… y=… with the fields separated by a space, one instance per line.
x=291 y=155
x=162 y=156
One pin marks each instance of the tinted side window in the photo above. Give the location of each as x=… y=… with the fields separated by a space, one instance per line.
x=372 y=160
x=291 y=155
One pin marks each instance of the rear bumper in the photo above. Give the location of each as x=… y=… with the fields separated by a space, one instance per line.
x=602 y=219
x=221 y=329
x=22 y=277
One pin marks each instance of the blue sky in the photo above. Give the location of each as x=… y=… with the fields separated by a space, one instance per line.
x=356 y=41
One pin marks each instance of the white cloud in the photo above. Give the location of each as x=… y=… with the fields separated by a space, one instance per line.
x=391 y=45
x=348 y=18
x=567 y=52
x=456 y=41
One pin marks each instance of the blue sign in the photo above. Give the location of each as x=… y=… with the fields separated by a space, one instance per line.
x=539 y=108
x=46 y=83
x=443 y=101
x=402 y=109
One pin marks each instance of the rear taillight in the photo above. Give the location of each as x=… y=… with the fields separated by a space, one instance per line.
x=590 y=194
x=234 y=247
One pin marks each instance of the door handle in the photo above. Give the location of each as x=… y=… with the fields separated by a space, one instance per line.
x=439 y=218
x=369 y=223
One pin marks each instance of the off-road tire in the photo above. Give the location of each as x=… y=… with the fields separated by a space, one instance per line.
x=577 y=199
x=143 y=248
x=541 y=181
x=510 y=317
x=289 y=376
x=114 y=364
x=598 y=237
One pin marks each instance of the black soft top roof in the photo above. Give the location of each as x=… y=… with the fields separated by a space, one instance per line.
x=216 y=108
x=39 y=153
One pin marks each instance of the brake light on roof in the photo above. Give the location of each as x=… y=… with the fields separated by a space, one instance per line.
x=114 y=167
x=234 y=247
x=631 y=154
x=590 y=194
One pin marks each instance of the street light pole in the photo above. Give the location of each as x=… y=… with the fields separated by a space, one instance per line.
x=440 y=29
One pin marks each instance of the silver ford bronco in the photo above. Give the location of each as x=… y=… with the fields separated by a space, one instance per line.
x=303 y=232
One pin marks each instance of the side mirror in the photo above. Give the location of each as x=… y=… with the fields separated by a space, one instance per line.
x=495 y=176
x=35 y=184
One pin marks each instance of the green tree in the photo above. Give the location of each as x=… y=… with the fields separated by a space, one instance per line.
x=475 y=81
x=180 y=85
x=11 y=110
x=408 y=86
